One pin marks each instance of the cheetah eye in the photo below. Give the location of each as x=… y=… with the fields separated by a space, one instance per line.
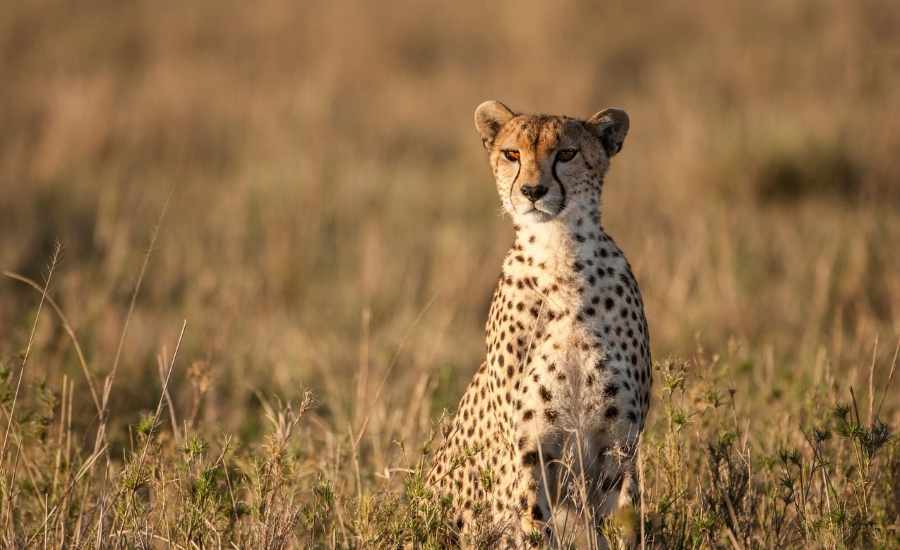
x=511 y=155
x=565 y=155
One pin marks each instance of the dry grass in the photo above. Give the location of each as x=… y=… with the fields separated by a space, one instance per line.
x=333 y=229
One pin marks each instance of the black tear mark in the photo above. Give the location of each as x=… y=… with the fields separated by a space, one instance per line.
x=562 y=188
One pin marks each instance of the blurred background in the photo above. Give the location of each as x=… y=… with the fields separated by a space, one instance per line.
x=333 y=223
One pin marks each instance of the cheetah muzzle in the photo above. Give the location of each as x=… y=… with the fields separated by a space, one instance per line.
x=550 y=423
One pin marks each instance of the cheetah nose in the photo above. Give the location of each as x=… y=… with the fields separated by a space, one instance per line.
x=534 y=192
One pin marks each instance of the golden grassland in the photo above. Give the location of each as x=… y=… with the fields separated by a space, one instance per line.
x=279 y=238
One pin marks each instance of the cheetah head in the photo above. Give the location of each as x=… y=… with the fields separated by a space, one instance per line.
x=549 y=166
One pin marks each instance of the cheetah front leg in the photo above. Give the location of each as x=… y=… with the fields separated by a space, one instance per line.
x=587 y=495
x=628 y=515
x=620 y=503
x=532 y=530
x=545 y=499
x=533 y=504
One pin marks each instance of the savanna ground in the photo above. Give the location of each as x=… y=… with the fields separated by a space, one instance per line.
x=279 y=238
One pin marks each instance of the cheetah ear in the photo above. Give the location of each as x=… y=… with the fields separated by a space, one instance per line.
x=490 y=117
x=611 y=127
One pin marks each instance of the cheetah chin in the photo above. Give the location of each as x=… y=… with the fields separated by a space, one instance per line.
x=550 y=424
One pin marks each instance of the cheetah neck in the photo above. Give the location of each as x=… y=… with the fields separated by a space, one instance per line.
x=558 y=249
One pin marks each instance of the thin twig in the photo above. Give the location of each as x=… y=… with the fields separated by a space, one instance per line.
x=640 y=460
x=161 y=362
x=158 y=412
x=37 y=316
x=890 y=379
x=872 y=382
x=107 y=388
x=67 y=326
x=12 y=410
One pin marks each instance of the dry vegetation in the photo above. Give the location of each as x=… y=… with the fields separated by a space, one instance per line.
x=331 y=227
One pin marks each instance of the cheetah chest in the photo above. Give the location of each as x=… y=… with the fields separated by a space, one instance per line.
x=574 y=352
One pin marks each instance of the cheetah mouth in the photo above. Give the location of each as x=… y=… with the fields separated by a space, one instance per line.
x=540 y=211
x=538 y=216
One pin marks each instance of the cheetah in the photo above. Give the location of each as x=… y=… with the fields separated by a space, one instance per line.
x=551 y=420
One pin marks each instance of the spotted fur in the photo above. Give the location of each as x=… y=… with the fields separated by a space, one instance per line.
x=563 y=394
